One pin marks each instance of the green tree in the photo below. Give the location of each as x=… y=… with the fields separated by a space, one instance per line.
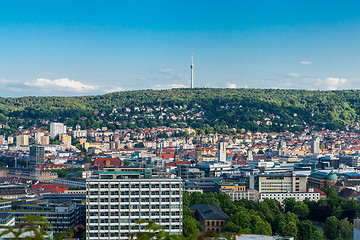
x=317 y=235
x=301 y=210
x=289 y=204
x=331 y=228
x=345 y=229
x=305 y=230
x=290 y=230
x=231 y=227
x=262 y=227
x=190 y=226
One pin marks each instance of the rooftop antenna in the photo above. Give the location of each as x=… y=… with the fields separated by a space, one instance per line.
x=192 y=70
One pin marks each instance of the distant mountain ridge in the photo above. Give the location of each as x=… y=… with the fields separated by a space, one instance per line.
x=208 y=109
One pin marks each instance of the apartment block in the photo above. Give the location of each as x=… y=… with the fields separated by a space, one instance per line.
x=116 y=200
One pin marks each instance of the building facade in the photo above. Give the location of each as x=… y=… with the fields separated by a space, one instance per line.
x=37 y=155
x=280 y=183
x=56 y=129
x=115 y=203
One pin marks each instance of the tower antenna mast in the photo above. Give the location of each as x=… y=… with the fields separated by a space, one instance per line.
x=192 y=70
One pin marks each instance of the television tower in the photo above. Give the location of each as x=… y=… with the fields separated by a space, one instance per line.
x=192 y=70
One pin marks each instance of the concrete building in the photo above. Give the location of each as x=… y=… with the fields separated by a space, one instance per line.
x=186 y=171
x=222 y=151
x=356 y=229
x=315 y=146
x=37 y=155
x=281 y=183
x=249 y=194
x=298 y=196
x=115 y=203
x=22 y=139
x=61 y=216
x=7 y=219
x=24 y=173
x=39 y=138
x=198 y=154
x=350 y=160
x=212 y=169
x=56 y=129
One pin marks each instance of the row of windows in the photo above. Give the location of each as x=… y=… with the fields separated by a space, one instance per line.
x=176 y=199
x=134 y=193
x=123 y=227
x=106 y=185
x=116 y=220
x=92 y=214
x=156 y=206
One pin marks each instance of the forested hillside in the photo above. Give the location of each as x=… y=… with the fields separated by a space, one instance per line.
x=206 y=109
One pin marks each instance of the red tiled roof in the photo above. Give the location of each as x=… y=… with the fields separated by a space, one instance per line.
x=53 y=187
x=107 y=161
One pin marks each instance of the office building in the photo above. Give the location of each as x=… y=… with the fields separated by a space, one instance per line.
x=56 y=129
x=37 y=155
x=116 y=200
x=280 y=183
x=61 y=216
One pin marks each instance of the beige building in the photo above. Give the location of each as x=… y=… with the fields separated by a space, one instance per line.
x=24 y=173
x=22 y=140
x=280 y=183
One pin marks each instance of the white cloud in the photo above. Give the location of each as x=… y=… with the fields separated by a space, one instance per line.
x=169 y=86
x=306 y=62
x=114 y=89
x=62 y=84
x=231 y=85
x=166 y=70
x=294 y=75
x=332 y=83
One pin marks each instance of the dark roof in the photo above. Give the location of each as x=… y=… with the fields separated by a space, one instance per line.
x=208 y=212
x=348 y=192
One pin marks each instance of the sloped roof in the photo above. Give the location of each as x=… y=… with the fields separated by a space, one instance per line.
x=209 y=212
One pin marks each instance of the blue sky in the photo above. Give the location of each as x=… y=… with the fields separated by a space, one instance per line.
x=65 y=48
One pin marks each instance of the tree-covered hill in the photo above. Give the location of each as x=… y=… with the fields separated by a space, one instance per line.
x=207 y=109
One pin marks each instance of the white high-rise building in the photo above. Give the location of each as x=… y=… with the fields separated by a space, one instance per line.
x=56 y=129
x=315 y=145
x=115 y=202
x=222 y=151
